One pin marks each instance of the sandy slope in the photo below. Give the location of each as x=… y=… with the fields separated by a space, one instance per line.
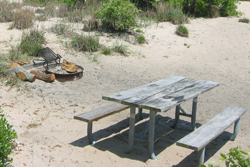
x=219 y=50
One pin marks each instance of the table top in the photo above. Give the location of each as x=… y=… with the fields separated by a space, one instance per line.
x=162 y=95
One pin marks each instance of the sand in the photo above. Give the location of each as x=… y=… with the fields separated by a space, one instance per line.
x=42 y=113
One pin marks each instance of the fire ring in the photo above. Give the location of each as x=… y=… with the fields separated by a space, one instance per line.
x=62 y=75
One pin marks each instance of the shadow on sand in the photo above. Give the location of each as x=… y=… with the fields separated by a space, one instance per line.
x=115 y=139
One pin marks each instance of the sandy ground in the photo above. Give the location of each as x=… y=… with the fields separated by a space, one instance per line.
x=42 y=113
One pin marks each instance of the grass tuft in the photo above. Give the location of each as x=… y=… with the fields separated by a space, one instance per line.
x=31 y=41
x=182 y=31
x=85 y=43
x=244 y=20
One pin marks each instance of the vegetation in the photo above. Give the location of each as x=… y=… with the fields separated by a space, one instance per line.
x=120 y=48
x=106 y=51
x=235 y=158
x=244 y=20
x=85 y=43
x=117 y=15
x=31 y=41
x=23 y=19
x=7 y=142
x=5 y=11
x=141 y=39
x=169 y=12
x=182 y=31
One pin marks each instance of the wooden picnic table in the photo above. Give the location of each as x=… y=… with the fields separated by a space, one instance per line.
x=160 y=96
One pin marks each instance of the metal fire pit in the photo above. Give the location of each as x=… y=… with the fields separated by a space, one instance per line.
x=62 y=75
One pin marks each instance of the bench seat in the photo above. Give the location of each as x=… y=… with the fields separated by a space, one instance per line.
x=96 y=114
x=198 y=139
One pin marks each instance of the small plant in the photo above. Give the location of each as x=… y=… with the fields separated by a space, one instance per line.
x=31 y=41
x=5 y=11
x=120 y=48
x=85 y=43
x=7 y=142
x=117 y=15
x=182 y=31
x=23 y=19
x=106 y=51
x=138 y=30
x=244 y=20
x=141 y=39
x=235 y=158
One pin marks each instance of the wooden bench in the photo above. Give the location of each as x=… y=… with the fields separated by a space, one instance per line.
x=198 y=139
x=96 y=114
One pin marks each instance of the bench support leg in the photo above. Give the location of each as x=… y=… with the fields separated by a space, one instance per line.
x=236 y=130
x=90 y=135
x=131 y=128
x=194 y=109
x=177 y=116
x=140 y=114
x=201 y=156
x=151 y=135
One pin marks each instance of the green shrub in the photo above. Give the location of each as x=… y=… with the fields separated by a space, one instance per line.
x=141 y=39
x=182 y=31
x=5 y=11
x=85 y=43
x=170 y=12
x=31 y=41
x=244 y=20
x=117 y=15
x=23 y=19
x=7 y=142
x=235 y=158
x=106 y=51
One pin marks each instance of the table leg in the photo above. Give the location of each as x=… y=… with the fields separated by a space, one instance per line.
x=131 y=128
x=177 y=116
x=151 y=135
x=140 y=114
x=194 y=109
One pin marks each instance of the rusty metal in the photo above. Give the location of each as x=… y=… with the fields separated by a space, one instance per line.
x=62 y=75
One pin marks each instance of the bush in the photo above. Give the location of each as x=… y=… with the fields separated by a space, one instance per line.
x=85 y=43
x=5 y=11
x=207 y=8
x=117 y=15
x=170 y=12
x=235 y=158
x=31 y=41
x=244 y=20
x=182 y=31
x=106 y=51
x=91 y=24
x=141 y=39
x=7 y=142
x=23 y=19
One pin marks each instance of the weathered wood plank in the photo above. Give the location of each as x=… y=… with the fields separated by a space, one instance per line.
x=143 y=91
x=199 y=138
x=166 y=99
x=101 y=112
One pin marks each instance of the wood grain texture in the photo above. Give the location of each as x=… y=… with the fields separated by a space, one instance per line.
x=199 y=138
x=101 y=112
x=164 y=94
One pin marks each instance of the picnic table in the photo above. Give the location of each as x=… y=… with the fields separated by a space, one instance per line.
x=160 y=96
